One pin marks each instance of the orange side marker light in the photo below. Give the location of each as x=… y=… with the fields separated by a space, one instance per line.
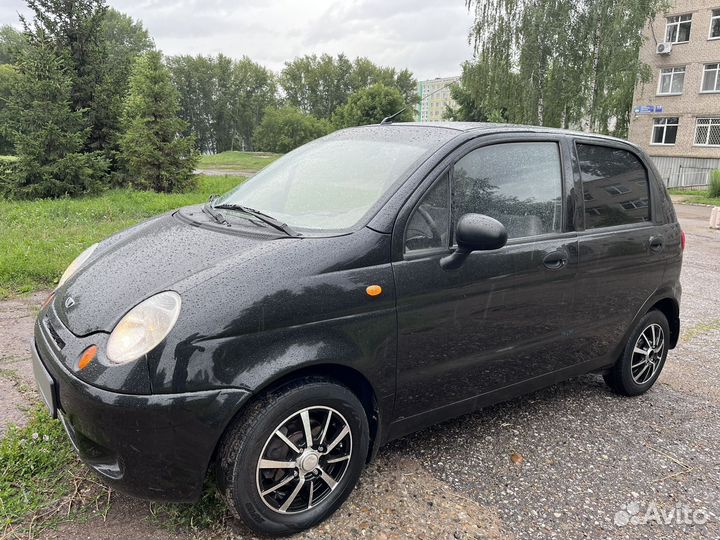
x=374 y=290
x=87 y=356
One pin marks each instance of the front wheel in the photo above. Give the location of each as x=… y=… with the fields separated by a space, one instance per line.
x=643 y=357
x=294 y=456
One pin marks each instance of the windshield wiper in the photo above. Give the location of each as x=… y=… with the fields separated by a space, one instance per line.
x=277 y=224
x=217 y=216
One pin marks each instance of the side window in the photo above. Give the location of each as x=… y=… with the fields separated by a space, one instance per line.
x=429 y=225
x=615 y=186
x=519 y=184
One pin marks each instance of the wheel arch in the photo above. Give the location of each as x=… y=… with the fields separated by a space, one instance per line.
x=670 y=308
x=342 y=374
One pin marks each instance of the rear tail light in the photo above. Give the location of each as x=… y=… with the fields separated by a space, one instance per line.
x=682 y=240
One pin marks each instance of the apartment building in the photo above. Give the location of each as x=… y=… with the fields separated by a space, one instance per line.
x=434 y=98
x=676 y=116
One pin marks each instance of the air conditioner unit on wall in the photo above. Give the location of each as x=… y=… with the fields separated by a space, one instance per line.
x=663 y=48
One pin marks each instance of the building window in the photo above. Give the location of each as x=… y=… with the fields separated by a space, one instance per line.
x=707 y=132
x=671 y=81
x=711 y=78
x=715 y=24
x=665 y=130
x=678 y=29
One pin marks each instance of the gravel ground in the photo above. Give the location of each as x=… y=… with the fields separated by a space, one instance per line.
x=573 y=460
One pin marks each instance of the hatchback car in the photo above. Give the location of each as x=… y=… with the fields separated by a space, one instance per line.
x=362 y=287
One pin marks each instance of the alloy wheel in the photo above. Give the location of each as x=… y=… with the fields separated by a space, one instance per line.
x=647 y=353
x=304 y=460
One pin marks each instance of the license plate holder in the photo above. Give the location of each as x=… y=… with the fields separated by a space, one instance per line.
x=45 y=383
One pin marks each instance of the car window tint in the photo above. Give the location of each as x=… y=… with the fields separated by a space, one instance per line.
x=519 y=184
x=429 y=225
x=615 y=186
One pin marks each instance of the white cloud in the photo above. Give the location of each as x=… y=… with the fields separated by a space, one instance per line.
x=427 y=36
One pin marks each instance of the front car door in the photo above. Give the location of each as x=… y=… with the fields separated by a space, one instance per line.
x=501 y=318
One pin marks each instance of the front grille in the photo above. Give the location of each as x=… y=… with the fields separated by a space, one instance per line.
x=56 y=337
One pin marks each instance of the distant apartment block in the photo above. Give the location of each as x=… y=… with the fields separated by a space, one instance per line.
x=434 y=98
x=676 y=116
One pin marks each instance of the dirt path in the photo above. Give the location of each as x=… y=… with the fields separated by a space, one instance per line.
x=588 y=455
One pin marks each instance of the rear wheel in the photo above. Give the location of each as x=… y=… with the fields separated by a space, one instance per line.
x=643 y=357
x=294 y=456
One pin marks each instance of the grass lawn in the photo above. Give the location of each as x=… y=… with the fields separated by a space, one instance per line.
x=697 y=196
x=40 y=238
x=244 y=161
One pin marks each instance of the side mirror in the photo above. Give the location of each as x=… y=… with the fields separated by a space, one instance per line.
x=474 y=232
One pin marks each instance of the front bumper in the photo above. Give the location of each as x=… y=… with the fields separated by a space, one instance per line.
x=151 y=446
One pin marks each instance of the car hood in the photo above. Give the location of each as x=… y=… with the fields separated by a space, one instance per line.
x=170 y=252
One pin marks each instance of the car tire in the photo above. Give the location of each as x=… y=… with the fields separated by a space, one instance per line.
x=643 y=358
x=246 y=459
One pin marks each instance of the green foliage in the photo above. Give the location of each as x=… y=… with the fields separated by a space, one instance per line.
x=222 y=100
x=40 y=238
x=714 y=187
x=564 y=63
x=233 y=160
x=370 y=105
x=282 y=130
x=319 y=85
x=8 y=79
x=156 y=155
x=35 y=468
x=49 y=134
x=74 y=30
x=12 y=44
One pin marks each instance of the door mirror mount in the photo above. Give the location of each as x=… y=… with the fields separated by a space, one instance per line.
x=474 y=232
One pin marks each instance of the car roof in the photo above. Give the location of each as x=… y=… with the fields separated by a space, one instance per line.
x=489 y=127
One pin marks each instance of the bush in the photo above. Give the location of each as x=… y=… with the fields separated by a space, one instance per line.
x=714 y=187
x=371 y=105
x=282 y=130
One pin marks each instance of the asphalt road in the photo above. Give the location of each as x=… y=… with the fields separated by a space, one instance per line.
x=573 y=460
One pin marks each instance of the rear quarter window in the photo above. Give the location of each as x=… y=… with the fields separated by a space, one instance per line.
x=616 y=188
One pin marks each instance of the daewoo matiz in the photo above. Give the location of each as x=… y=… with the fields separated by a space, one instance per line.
x=360 y=288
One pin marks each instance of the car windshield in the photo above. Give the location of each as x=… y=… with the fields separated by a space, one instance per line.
x=331 y=183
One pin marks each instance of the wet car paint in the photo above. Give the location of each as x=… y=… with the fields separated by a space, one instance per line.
x=259 y=307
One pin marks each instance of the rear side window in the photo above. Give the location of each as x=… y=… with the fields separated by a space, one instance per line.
x=615 y=186
x=519 y=184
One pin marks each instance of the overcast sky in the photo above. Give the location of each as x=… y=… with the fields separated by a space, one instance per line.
x=427 y=36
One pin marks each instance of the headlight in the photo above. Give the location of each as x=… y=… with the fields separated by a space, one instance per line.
x=77 y=263
x=143 y=327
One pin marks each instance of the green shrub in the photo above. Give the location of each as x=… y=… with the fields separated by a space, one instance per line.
x=282 y=130
x=714 y=187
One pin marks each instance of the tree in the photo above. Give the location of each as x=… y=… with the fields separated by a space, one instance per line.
x=124 y=40
x=221 y=99
x=282 y=130
x=48 y=132
x=370 y=105
x=156 y=154
x=12 y=44
x=8 y=79
x=75 y=30
x=564 y=63
x=319 y=85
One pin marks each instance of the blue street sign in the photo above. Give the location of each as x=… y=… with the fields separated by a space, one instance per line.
x=649 y=109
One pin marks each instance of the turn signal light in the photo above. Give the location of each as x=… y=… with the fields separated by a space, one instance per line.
x=87 y=356
x=373 y=290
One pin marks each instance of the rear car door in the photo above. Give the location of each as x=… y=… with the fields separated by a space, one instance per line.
x=621 y=246
x=501 y=317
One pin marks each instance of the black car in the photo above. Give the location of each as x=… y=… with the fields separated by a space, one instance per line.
x=362 y=287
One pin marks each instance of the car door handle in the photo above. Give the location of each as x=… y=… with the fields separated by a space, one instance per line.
x=656 y=243
x=555 y=259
